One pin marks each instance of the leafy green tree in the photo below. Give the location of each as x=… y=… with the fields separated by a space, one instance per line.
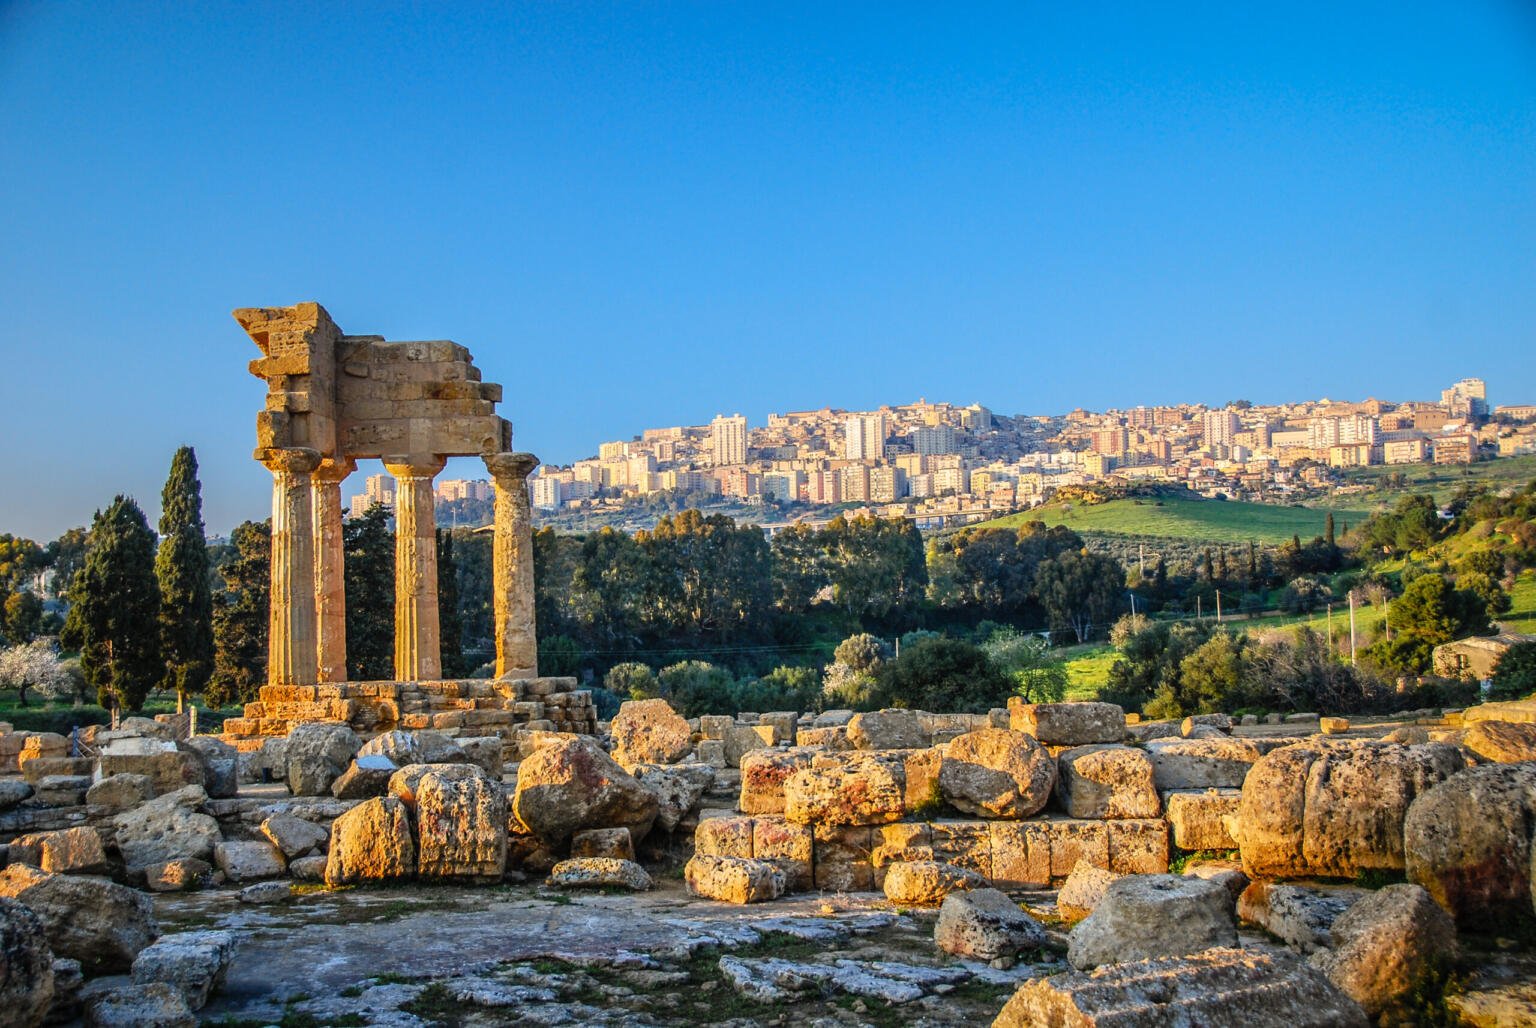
x=369 y=556
x=559 y=655
x=783 y=688
x=65 y=555
x=878 y=569
x=450 y=623
x=1305 y=594
x=942 y=674
x=695 y=687
x=241 y=613
x=1514 y=676
x=850 y=679
x=799 y=568
x=632 y=680
x=608 y=590
x=20 y=559
x=1026 y=660
x=1211 y=678
x=1081 y=591
x=181 y=568
x=23 y=617
x=1151 y=658
x=114 y=617
x=1429 y=612
x=473 y=557
x=709 y=577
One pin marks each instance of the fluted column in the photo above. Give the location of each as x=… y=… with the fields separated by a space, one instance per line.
x=418 y=646
x=517 y=644
x=291 y=621
x=330 y=569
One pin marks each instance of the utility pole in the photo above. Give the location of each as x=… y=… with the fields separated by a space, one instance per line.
x=1218 y=606
x=1133 y=603
x=1141 y=559
x=1351 y=627
x=1199 y=612
x=1330 y=628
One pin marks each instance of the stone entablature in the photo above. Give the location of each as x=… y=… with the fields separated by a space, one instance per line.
x=333 y=399
x=478 y=706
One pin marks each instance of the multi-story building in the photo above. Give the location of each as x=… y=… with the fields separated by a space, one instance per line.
x=548 y=493
x=856 y=484
x=1218 y=427
x=825 y=487
x=783 y=485
x=1455 y=448
x=931 y=439
x=1110 y=441
x=864 y=437
x=1466 y=399
x=728 y=440
x=887 y=483
x=1404 y=451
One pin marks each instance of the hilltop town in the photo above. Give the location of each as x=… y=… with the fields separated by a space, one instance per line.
x=943 y=464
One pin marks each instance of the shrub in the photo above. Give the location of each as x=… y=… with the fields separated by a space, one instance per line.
x=942 y=674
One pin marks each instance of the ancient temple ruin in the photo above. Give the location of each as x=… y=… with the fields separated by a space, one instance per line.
x=333 y=399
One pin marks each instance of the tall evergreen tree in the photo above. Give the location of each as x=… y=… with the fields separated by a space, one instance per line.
x=370 y=577
x=115 y=612
x=240 y=617
x=449 y=622
x=1328 y=536
x=181 y=567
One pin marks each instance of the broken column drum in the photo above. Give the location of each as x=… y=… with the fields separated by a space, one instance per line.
x=333 y=399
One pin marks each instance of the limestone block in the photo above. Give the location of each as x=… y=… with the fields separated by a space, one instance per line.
x=1021 y=853
x=120 y=792
x=35 y=769
x=997 y=773
x=1198 y=819
x=168 y=827
x=887 y=730
x=1106 y=781
x=1067 y=724
x=1300 y=917
x=649 y=732
x=842 y=858
x=1143 y=917
x=787 y=846
x=462 y=826
x=371 y=842
x=1138 y=846
x=966 y=844
x=1333 y=725
x=1270 y=991
x=62 y=790
x=984 y=924
x=251 y=861
x=600 y=873
x=763 y=774
x=27 y=984
x=925 y=883
x=677 y=788
x=70 y=851
x=733 y=879
x=1083 y=889
x=846 y=790
x=138 y=1006
x=903 y=841
x=218 y=762
x=177 y=875
x=194 y=963
x=574 y=785
x=1202 y=763
x=783 y=723
x=603 y=842
x=293 y=836
x=724 y=837
x=1386 y=945
x=99 y=923
x=1504 y=742
x=741 y=739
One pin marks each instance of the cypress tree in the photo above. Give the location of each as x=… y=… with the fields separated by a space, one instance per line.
x=450 y=623
x=1328 y=531
x=240 y=617
x=370 y=577
x=181 y=567
x=115 y=612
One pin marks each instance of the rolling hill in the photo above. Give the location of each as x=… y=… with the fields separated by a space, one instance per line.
x=1181 y=517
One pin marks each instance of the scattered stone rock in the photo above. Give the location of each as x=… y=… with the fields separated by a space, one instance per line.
x=68 y=979
x=249 y=861
x=1468 y=842
x=649 y=732
x=887 y=730
x=219 y=763
x=1067 y=724
x=846 y=789
x=166 y=828
x=572 y=785
x=194 y=963
x=1226 y=873
x=120 y=792
x=677 y=788
x=26 y=966
x=603 y=842
x=74 y=851
x=370 y=843
x=263 y=893
x=1334 y=809
x=12 y=792
x=984 y=924
x=733 y=879
x=365 y=777
x=99 y=923
x=600 y=872
x=317 y=754
x=437 y=748
x=1298 y=916
x=401 y=748
x=1384 y=946
x=1106 y=781
x=1221 y=723
x=405 y=782
x=62 y=790
x=925 y=883
x=486 y=752
x=1083 y=889
x=1199 y=819
x=307 y=869
x=997 y=773
x=462 y=825
x=742 y=739
x=1143 y=917
x=1503 y=742
x=1333 y=725
x=1217 y=987
x=177 y=875
x=1184 y=764
x=156 y=1005
x=294 y=836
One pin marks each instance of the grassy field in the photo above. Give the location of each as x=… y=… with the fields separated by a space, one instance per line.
x=1185 y=518
x=1522 y=614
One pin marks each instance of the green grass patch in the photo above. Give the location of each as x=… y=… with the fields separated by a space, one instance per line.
x=1184 y=517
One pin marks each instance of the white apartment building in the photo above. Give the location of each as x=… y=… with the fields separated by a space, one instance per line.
x=548 y=493
x=728 y=440
x=864 y=437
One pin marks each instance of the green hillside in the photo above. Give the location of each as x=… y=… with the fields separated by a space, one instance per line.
x=1179 y=517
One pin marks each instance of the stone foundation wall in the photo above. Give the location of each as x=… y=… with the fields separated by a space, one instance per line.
x=475 y=705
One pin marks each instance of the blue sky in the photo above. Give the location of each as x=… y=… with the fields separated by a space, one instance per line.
x=644 y=214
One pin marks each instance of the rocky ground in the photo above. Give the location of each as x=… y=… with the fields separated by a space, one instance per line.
x=524 y=954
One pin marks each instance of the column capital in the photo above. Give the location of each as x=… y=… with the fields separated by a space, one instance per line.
x=414 y=465
x=334 y=470
x=298 y=460
x=516 y=466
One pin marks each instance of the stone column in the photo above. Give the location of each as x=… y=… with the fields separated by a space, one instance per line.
x=517 y=644
x=418 y=646
x=291 y=624
x=330 y=569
